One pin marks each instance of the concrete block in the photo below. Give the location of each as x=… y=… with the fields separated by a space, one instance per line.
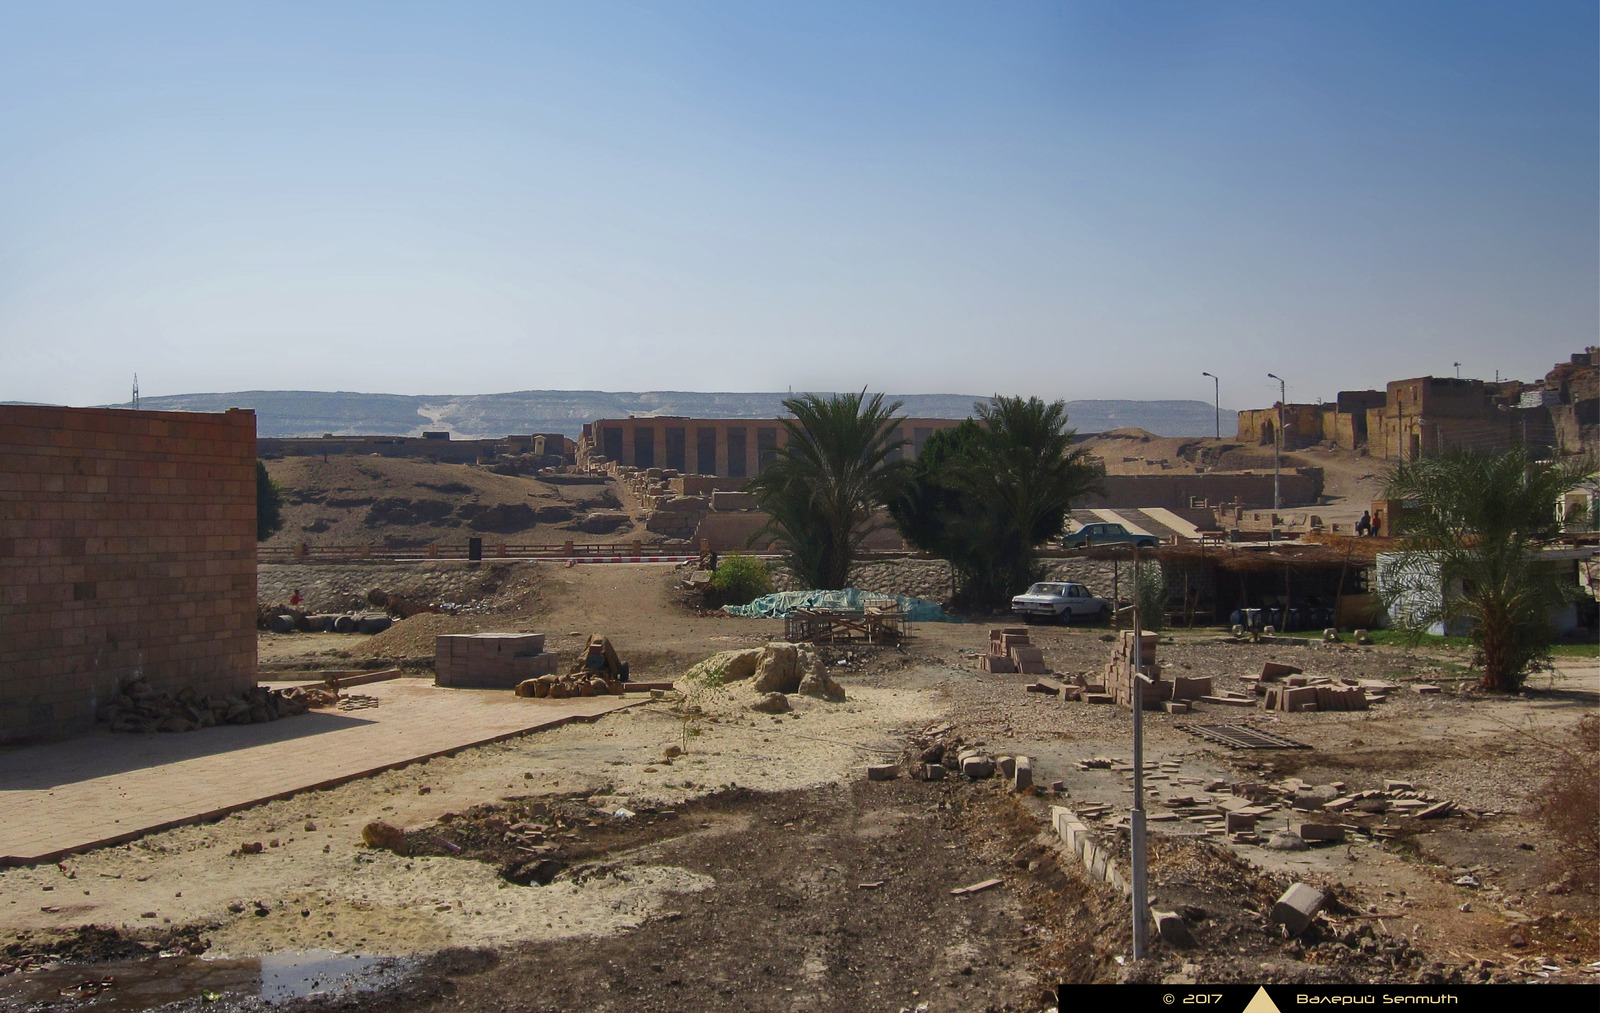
x=1006 y=765
x=1172 y=929
x=1098 y=861
x=977 y=767
x=933 y=772
x=1318 y=831
x=883 y=772
x=1022 y=773
x=1240 y=823
x=1297 y=907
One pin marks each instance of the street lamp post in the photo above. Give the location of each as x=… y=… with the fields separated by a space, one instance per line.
x=1277 y=448
x=1217 y=393
x=1139 y=858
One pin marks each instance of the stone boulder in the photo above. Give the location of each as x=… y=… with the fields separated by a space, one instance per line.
x=779 y=670
x=817 y=683
x=387 y=836
x=729 y=666
x=771 y=703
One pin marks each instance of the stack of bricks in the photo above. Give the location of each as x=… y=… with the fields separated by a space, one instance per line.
x=1315 y=696
x=1010 y=651
x=1120 y=676
x=490 y=660
x=127 y=552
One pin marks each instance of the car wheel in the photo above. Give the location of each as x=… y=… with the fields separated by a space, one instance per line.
x=1105 y=613
x=1065 y=618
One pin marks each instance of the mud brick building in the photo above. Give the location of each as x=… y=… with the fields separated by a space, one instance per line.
x=127 y=550
x=730 y=448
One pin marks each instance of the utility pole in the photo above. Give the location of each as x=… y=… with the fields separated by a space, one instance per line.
x=1277 y=449
x=1217 y=394
x=1136 y=839
x=135 y=403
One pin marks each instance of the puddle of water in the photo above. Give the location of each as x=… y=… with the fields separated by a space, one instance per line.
x=131 y=986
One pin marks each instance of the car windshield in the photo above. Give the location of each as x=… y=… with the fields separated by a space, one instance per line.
x=1048 y=589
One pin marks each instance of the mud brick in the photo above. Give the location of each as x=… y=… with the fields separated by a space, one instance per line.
x=1022 y=773
x=532 y=666
x=997 y=663
x=1177 y=707
x=1297 y=907
x=1045 y=686
x=1098 y=698
x=1240 y=822
x=1024 y=653
x=1272 y=699
x=1006 y=765
x=1033 y=668
x=1319 y=831
x=1274 y=670
x=977 y=767
x=1294 y=698
x=1190 y=687
x=883 y=772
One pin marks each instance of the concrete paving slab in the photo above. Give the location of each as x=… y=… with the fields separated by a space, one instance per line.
x=104 y=789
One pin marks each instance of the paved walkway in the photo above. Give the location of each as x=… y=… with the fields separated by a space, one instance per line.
x=104 y=788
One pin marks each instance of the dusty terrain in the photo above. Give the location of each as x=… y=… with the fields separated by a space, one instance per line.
x=760 y=870
x=404 y=503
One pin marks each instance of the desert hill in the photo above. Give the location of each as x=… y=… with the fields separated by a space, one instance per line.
x=281 y=413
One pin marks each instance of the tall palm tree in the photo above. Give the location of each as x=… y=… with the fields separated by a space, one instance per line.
x=1026 y=474
x=822 y=488
x=986 y=494
x=1472 y=525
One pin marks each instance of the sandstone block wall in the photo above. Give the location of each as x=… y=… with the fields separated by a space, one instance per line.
x=127 y=549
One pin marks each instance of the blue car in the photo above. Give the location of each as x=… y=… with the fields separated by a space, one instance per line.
x=1106 y=534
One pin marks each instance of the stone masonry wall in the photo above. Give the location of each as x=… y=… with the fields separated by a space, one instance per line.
x=127 y=550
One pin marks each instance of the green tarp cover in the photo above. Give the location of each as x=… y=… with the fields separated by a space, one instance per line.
x=777 y=606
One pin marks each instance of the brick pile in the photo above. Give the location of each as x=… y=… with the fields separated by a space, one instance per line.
x=1010 y=651
x=490 y=660
x=1316 y=695
x=140 y=709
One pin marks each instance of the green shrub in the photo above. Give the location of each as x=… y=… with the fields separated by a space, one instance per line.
x=739 y=580
x=1150 y=593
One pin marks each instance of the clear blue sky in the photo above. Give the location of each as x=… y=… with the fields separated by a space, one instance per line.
x=1069 y=199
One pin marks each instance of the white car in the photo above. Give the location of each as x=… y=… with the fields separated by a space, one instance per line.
x=1058 y=601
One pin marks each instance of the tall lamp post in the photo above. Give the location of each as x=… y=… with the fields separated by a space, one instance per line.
x=1217 y=393
x=1277 y=447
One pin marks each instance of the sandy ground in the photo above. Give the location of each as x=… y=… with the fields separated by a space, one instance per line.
x=717 y=856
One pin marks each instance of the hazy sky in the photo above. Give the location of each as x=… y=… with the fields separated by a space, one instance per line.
x=1070 y=199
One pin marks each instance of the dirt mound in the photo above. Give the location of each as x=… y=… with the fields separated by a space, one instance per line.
x=350 y=500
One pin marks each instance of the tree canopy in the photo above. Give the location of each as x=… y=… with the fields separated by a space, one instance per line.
x=986 y=494
x=269 y=504
x=1472 y=527
x=821 y=490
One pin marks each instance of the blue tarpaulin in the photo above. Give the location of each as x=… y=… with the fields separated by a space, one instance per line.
x=777 y=606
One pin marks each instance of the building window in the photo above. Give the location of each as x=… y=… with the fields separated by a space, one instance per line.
x=644 y=447
x=736 y=462
x=705 y=439
x=613 y=443
x=766 y=447
x=919 y=438
x=675 y=448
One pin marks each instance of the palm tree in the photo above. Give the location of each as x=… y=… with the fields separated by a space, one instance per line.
x=987 y=493
x=822 y=488
x=1472 y=526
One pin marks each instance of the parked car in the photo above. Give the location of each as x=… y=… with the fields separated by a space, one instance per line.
x=1058 y=601
x=1106 y=534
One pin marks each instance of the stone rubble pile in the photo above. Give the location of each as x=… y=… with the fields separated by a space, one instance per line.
x=141 y=709
x=773 y=671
